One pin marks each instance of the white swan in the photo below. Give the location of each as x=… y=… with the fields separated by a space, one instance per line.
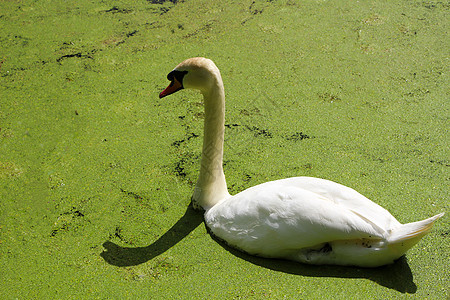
x=304 y=219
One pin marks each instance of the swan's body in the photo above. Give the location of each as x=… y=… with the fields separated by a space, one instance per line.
x=305 y=219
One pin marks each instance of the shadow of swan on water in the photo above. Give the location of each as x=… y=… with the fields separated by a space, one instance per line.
x=132 y=256
x=397 y=276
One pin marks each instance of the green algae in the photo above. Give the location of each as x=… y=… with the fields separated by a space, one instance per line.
x=96 y=172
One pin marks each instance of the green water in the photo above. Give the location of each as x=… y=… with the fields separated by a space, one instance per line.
x=96 y=172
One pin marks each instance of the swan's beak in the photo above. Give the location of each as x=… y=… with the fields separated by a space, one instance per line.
x=173 y=87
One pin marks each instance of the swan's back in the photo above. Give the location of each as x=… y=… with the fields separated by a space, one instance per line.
x=346 y=197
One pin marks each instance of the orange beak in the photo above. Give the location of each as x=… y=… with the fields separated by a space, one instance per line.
x=173 y=87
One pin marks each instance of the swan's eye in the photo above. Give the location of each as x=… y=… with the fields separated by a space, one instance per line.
x=178 y=75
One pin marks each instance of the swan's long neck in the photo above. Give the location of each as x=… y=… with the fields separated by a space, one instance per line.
x=211 y=186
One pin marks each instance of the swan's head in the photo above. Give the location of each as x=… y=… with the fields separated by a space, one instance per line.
x=194 y=73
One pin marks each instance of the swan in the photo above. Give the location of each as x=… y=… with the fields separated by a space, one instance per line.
x=304 y=219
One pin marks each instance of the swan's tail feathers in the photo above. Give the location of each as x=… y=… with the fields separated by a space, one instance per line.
x=407 y=235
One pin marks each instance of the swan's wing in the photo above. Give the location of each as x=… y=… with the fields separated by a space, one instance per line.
x=278 y=216
x=346 y=197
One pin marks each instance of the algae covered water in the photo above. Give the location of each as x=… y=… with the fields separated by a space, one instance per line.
x=96 y=172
